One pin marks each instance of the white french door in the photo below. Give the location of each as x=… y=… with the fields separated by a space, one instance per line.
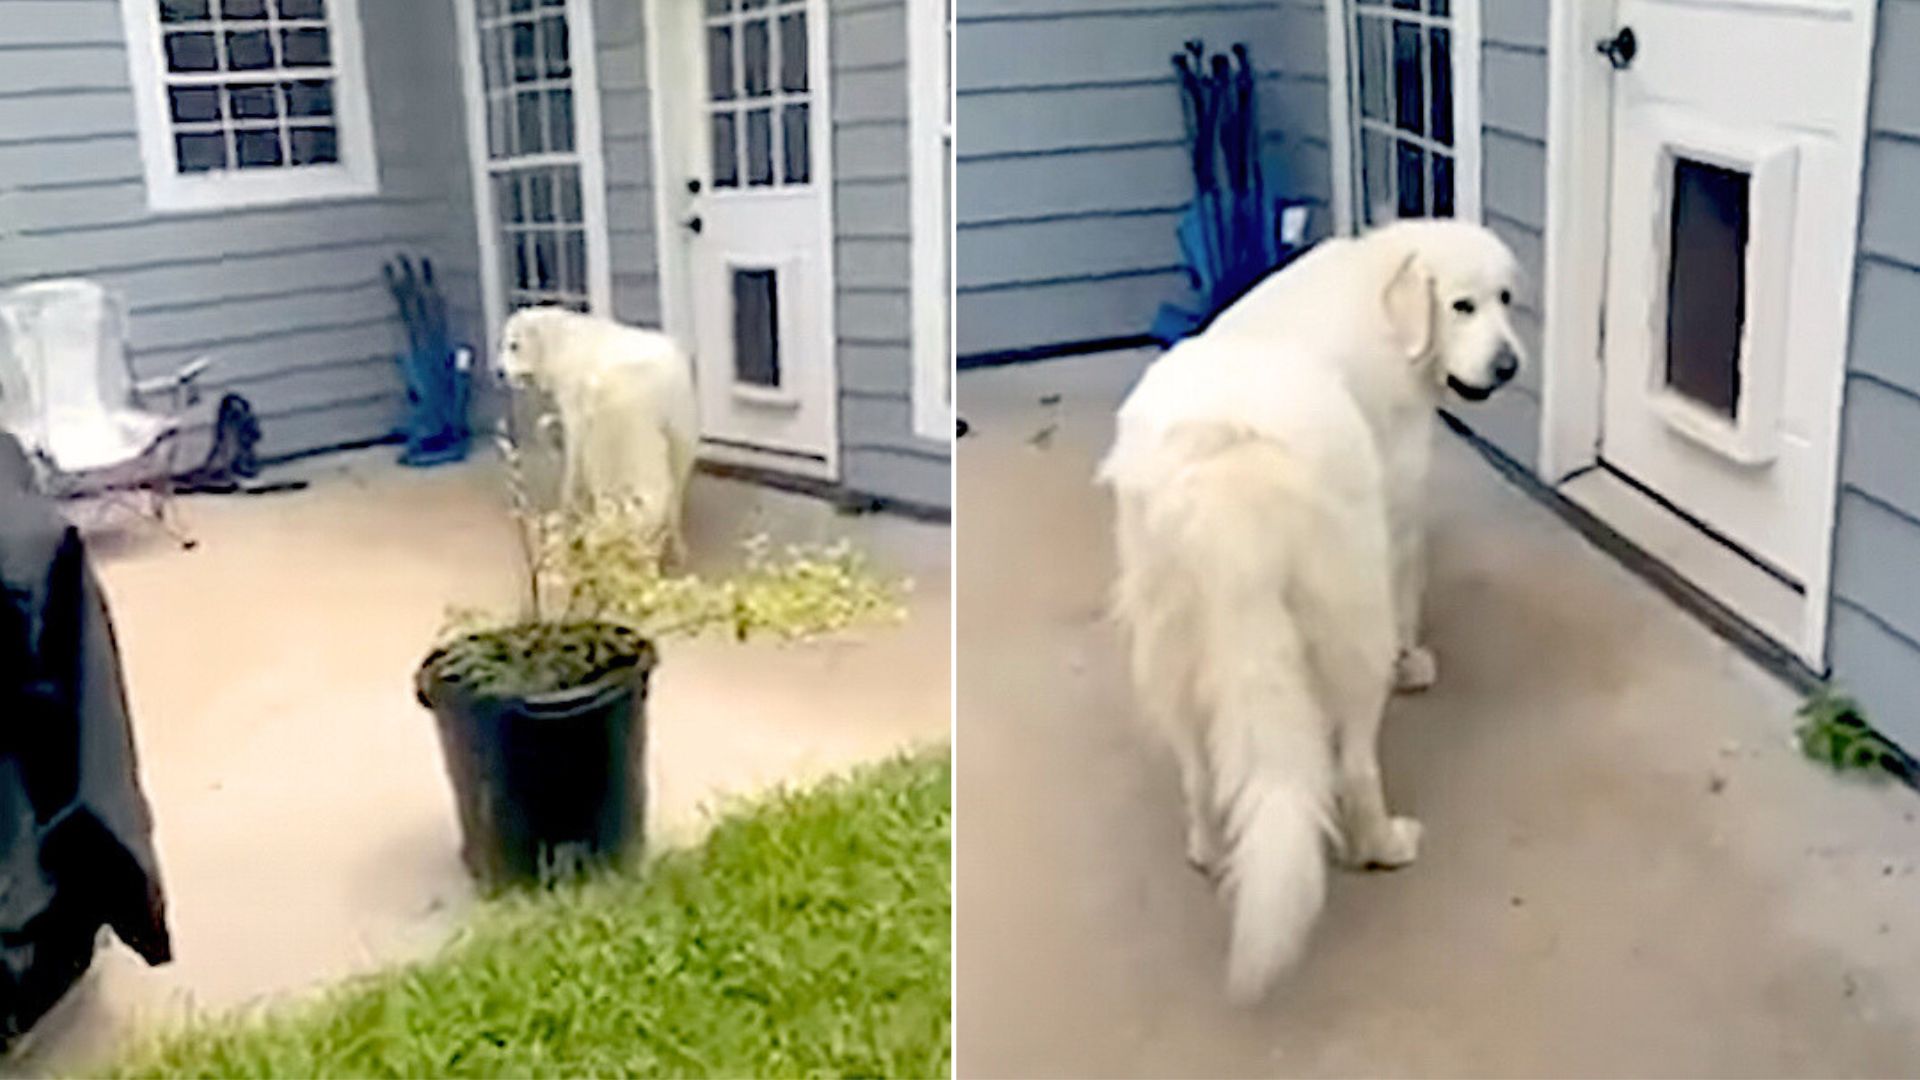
x=745 y=148
x=534 y=128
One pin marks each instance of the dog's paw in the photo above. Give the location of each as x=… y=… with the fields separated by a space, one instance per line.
x=1415 y=669
x=1398 y=846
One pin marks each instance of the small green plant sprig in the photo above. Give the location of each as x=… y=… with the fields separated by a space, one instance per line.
x=1833 y=732
x=594 y=578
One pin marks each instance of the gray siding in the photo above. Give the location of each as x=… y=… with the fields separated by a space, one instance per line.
x=1072 y=168
x=1513 y=131
x=287 y=300
x=879 y=453
x=1874 y=641
x=626 y=124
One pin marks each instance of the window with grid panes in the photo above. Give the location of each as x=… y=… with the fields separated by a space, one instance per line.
x=758 y=93
x=251 y=100
x=1408 y=146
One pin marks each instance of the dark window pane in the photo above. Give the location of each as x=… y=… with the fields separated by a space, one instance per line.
x=795 y=148
x=1376 y=58
x=1439 y=7
x=1412 y=179
x=570 y=205
x=760 y=147
x=1408 y=107
x=302 y=9
x=201 y=152
x=253 y=101
x=1376 y=163
x=249 y=50
x=540 y=196
x=573 y=261
x=751 y=5
x=506 y=199
x=720 y=63
x=1441 y=55
x=1707 y=284
x=194 y=104
x=309 y=97
x=1407 y=5
x=560 y=119
x=553 y=42
x=306 y=48
x=183 y=10
x=522 y=269
x=755 y=58
x=793 y=51
x=546 y=260
x=258 y=149
x=518 y=6
x=525 y=52
x=243 y=10
x=315 y=145
x=756 y=328
x=1442 y=186
x=192 y=52
x=726 y=151
x=717 y=7
x=527 y=123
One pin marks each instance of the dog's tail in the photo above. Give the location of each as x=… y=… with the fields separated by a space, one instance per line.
x=1245 y=516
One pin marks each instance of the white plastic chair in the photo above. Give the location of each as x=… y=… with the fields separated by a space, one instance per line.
x=69 y=393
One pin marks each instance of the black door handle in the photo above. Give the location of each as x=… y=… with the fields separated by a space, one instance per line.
x=693 y=224
x=1619 y=49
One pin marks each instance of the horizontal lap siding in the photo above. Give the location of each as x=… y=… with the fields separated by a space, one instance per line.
x=288 y=301
x=1072 y=167
x=1513 y=116
x=1874 y=641
x=626 y=125
x=879 y=453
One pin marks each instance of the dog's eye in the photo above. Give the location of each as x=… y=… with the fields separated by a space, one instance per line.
x=1506 y=296
x=1463 y=306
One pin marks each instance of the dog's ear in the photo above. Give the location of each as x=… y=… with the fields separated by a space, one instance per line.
x=1409 y=304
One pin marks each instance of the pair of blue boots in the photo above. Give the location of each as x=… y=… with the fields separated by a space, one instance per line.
x=438 y=373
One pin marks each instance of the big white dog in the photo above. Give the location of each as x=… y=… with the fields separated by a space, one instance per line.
x=627 y=410
x=1262 y=471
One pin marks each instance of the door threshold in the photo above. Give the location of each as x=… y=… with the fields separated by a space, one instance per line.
x=1747 y=590
x=764 y=459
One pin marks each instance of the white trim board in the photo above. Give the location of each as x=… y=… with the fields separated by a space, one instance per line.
x=930 y=162
x=1580 y=95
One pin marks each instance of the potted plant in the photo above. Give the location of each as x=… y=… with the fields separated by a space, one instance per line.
x=542 y=712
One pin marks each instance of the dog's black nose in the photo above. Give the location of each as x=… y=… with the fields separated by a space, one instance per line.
x=1505 y=365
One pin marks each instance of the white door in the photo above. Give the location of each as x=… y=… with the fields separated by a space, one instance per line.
x=755 y=228
x=533 y=121
x=1735 y=163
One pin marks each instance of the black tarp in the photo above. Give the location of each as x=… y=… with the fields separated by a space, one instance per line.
x=76 y=837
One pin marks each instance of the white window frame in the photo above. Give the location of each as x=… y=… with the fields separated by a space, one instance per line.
x=356 y=175
x=1344 y=114
x=930 y=36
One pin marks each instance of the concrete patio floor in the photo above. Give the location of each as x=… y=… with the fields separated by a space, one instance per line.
x=304 y=822
x=1627 y=871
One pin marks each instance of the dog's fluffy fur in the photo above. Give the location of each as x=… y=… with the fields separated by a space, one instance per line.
x=628 y=416
x=1265 y=475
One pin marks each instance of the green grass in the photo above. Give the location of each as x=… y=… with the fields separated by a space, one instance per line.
x=807 y=936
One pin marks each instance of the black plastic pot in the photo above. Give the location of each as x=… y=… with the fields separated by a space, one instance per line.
x=547 y=785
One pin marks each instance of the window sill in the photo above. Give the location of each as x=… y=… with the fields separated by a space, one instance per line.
x=227 y=191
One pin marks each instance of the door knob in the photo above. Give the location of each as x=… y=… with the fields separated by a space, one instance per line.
x=1619 y=49
x=693 y=224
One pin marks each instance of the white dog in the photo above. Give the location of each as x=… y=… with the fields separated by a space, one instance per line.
x=627 y=410
x=1255 y=468
x=1399 y=368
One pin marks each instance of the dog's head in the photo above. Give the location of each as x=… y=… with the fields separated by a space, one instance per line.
x=1448 y=298
x=523 y=341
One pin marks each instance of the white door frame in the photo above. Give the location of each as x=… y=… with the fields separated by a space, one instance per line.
x=930 y=135
x=588 y=143
x=1468 y=140
x=1579 y=142
x=675 y=149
